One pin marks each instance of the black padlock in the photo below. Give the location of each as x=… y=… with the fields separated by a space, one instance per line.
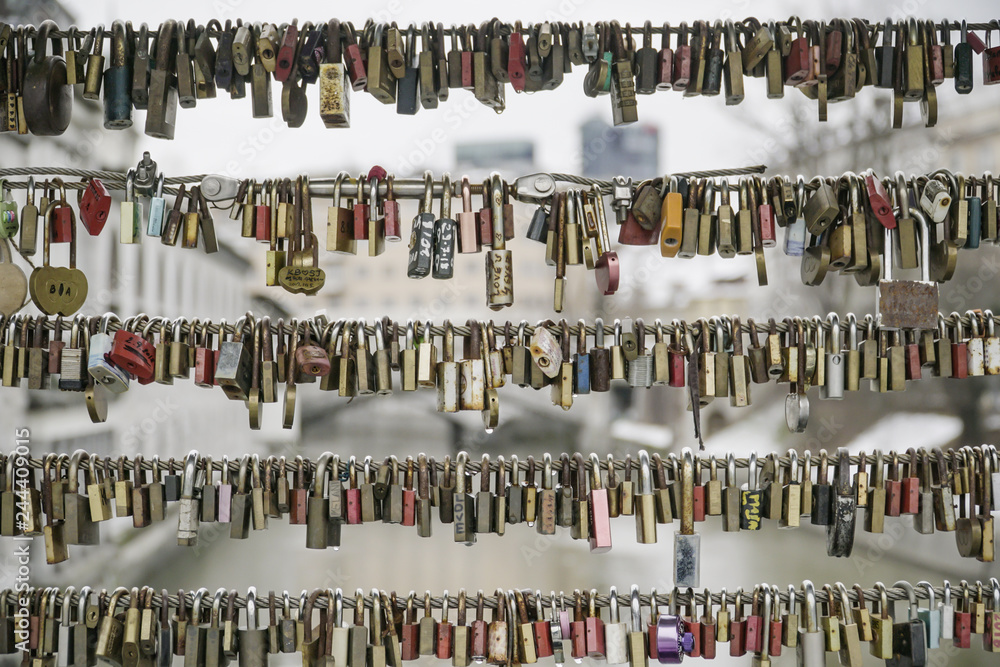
x=539 y=226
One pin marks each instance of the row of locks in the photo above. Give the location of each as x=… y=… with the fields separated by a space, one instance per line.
x=145 y=627
x=860 y=225
x=582 y=494
x=413 y=67
x=720 y=358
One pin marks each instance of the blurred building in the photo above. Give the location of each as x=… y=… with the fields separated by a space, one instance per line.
x=607 y=151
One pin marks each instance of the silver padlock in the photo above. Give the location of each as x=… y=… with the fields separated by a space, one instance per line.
x=157 y=209
x=190 y=511
x=615 y=634
x=833 y=387
x=931 y=617
x=640 y=369
x=975 y=347
x=994 y=476
x=991 y=345
x=100 y=367
x=546 y=352
x=811 y=649
x=590 y=42
x=947 y=613
x=908 y=304
x=621 y=196
x=935 y=200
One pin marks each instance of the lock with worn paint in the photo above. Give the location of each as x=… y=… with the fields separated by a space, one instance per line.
x=908 y=304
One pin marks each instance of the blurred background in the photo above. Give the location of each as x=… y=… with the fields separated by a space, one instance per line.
x=558 y=131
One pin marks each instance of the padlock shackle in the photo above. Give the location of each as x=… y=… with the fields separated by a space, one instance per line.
x=190 y=472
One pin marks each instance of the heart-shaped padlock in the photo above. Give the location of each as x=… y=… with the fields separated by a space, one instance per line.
x=57 y=290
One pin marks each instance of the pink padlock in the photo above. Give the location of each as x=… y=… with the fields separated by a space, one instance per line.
x=600 y=513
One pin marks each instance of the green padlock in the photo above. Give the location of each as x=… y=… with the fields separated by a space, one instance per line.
x=8 y=212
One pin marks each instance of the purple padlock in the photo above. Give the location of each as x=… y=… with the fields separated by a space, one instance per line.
x=672 y=639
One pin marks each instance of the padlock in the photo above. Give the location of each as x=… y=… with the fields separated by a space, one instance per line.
x=100 y=364
x=62 y=218
x=131 y=213
x=133 y=353
x=907 y=304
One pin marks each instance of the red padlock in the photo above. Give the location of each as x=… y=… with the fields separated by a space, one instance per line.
x=913 y=362
x=479 y=634
x=133 y=353
x=976 y=42
x=677 y=354
x=594 y=628
x=963 y=622
x=765 y=214
x=654 y=616
x=798 y=63
x=286 y=52
x=445 y=630
x=485 y=218
x=693 y=625
x=516 y=58
x=959 y=352
x=390 y=208
x=737 y=628
x=204 y=358
x=410 y=496
x=95 y=204
x=682 y=60
x=665 y=72
x=708 y=629
x=834 y=48
x=360 y=212
x=578 y=628
x=63 y=219
x=893 y=488
x=775 y=625
x=467 y=78
x=754 y=625
x=409 y=633
x=543 y=628
x=262 y=213
x=352 y=494
x=991 y=58
x=878 y=200
x=909 y=503
x=354 y=60
x=936 y=54
x=700 y=499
